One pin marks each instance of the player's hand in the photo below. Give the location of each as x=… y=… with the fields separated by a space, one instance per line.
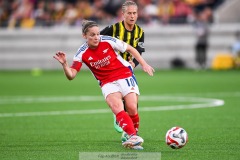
x=131 y=62
x=61 y=57
x=147 y=68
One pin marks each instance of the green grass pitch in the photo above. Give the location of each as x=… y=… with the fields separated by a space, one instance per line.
x=42 y=117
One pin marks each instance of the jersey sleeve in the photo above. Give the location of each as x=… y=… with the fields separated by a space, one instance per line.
x=140 y=46
x=76 y=65
x=117 y=44
x=77 y=59
x=120 y=45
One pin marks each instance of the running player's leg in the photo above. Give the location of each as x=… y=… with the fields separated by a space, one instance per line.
x=132 y=108
x=114 y=101
x=134 y=142
x=130 y=92
x=135 y=118
x=115 y=124
x=114 y=93
x=113 y=97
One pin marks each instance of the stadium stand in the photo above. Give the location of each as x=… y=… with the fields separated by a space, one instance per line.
x=22 y=48
x=26 y=49
x=228 y=12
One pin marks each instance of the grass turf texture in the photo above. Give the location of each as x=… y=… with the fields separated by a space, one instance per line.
x=213 y=132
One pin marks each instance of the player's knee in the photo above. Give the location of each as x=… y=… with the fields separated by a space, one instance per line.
x=132 y=109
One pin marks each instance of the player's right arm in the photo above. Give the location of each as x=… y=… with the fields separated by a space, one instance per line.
x=69 y=72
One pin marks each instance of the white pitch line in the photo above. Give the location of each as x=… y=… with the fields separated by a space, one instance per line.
x=55 y=99
x=54 y=113
x=198 y=103
x=48 y=99
x=211 y=94
x=215 y=103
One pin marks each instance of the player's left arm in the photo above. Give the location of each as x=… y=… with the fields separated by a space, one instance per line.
x=140 y=48
x=146 y=68
x=124 y=47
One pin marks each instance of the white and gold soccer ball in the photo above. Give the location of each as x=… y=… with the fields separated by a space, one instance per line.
x=176 y=137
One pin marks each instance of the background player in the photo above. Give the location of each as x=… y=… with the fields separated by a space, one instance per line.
x=129 y=32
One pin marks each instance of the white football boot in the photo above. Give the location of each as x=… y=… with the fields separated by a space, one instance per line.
x=134 y=142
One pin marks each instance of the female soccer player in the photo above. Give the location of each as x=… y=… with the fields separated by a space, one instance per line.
x=114 y=74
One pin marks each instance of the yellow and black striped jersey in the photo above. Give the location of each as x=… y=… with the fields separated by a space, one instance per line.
x=134 y=38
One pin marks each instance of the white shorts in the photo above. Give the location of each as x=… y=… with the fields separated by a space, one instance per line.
x=123 y=86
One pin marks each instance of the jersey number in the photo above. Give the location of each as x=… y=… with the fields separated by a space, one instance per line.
x=130 y=82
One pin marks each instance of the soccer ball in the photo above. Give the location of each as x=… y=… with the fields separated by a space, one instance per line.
x=176 y=137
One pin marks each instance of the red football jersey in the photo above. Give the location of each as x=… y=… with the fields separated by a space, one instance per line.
x=104 y=61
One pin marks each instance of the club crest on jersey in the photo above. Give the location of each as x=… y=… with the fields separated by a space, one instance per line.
x=105 y=50
x=90 y=58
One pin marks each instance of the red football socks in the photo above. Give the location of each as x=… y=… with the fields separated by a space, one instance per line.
x=126 y=123
x=135 y=120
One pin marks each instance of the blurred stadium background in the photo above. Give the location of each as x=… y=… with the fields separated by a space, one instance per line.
x=33 y=30
x=43 y=116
